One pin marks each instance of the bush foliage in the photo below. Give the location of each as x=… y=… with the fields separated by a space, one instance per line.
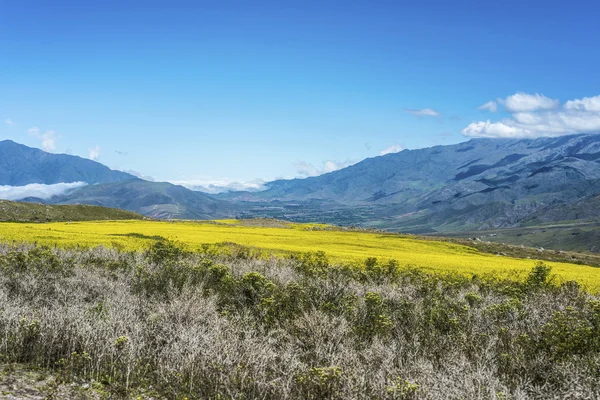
x=169 y=323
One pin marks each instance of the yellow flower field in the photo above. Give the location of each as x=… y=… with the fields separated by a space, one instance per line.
x=343 y=246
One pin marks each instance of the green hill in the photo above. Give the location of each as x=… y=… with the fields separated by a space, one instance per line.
x=34 y=212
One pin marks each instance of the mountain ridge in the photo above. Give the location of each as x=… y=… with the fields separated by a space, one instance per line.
x=411 y=172
x=22 y=165
x=160 y=200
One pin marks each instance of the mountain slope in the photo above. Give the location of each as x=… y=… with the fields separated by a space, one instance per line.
x=21 y=165
x=32 y=212
x=154 y=199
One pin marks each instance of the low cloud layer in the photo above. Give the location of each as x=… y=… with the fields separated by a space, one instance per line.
x=537 y=115
x=37 y=190
x=213 y=186
x=425 y=112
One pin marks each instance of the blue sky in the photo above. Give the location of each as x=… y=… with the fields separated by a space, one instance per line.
x=237 y=90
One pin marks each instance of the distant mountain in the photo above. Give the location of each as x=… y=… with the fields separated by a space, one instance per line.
x=155 y=199
x=479 y=165
x=21 y=165
x=479 y=184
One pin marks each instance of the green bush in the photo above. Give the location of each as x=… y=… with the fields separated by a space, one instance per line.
x=540 y=277
x=569 y=333
x=319 y=383
x=375 y=321
x=165 y=250
x=255 y=287
x=313 y=263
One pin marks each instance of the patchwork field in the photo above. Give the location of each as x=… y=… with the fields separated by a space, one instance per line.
x=280 y=238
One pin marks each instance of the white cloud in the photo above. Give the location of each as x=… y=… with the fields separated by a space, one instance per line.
x=491 y=106
x=9 y=121
x=585 y=104
x=575 y=116
x=37 y=190
x=520 y=102
x=492 y=129
x=47 y=138
x=214 y=186
x=395 y=148
x=94 y=153
x=425 y=112
x=305 y=169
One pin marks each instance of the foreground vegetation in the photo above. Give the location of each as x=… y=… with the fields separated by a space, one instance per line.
x=281 y=238
x=168 y=323
x=35 y=212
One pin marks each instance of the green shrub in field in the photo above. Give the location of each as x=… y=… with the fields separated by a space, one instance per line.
x=314 y=263
x=230 y=251
x=473 y=299
x=217 y=275
x=509 y=310
x=378 y=272
x=446 y=315
x=255 y=287
x=375 y=320
x=402 y=389
x=540 y=277
x=163 y=278
x=569 y=332
x=38 y=260
x=165 y=250
x=285 y=303
x=319 y=383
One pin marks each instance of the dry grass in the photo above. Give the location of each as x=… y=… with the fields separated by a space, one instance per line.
x=170 y=324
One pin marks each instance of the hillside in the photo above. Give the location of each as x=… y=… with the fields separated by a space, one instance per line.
x=32 y=212
x=21 y=165
x=155 y=199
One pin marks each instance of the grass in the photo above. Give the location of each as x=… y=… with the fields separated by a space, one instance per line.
x=34 y=212
x=341 y=246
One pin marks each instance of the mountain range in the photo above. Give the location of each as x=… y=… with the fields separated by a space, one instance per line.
x=21 y=165
x=477 y=185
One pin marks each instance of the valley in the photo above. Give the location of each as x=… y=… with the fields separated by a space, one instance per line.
x=518 y=187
